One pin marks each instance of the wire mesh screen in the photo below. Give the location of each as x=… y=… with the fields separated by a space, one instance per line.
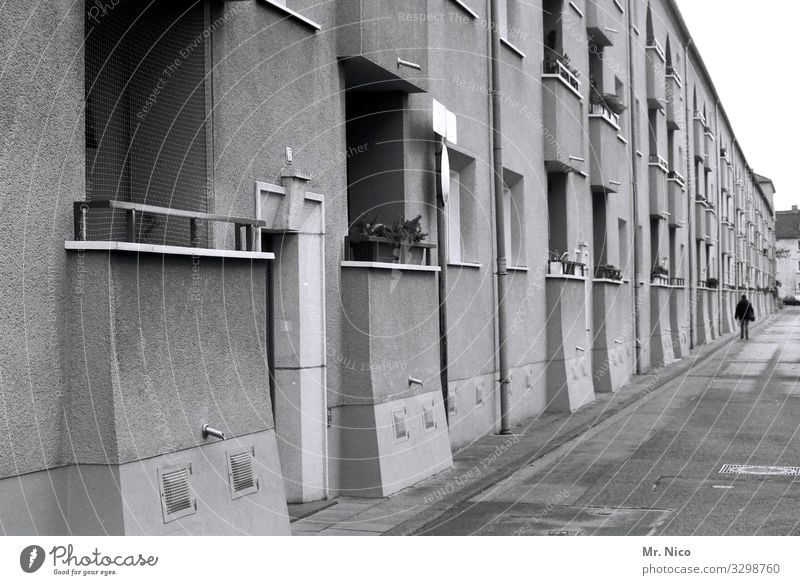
x=146 y=116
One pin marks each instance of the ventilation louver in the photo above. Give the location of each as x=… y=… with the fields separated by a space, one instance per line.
x=429 y=417
x=400 y=425
x=241 y=473
x=176 y=492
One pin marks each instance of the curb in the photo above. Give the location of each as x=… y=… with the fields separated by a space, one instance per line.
x=552 y=448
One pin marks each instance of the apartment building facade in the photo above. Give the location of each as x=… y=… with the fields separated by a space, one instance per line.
x=217 y=298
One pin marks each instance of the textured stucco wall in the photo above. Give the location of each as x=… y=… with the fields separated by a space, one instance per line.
x=41 y=157
x=161 y=346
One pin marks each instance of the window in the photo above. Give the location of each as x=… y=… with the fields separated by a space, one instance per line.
x=461 y=220
x=146 y=138
x=514 y=207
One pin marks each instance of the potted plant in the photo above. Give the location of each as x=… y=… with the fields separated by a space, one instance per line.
x=608 y=272
x=660 y=274
x=554 y=266
x=712 y=283
x=400 y=242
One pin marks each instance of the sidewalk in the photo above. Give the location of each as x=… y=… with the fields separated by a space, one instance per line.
x=492 y=459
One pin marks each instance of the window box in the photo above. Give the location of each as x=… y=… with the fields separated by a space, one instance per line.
x=376 y=249
x=608 y=272
x=566 y=268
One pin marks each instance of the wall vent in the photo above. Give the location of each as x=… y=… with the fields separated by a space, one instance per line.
x=480 y=398
x=429 y=417
x=400 y=425
x=241 y=473
x=451 y=401
x=176 y=492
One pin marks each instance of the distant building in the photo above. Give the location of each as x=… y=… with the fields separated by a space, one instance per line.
x=787 y=251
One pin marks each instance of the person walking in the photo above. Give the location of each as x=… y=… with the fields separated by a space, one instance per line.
x=744 y=314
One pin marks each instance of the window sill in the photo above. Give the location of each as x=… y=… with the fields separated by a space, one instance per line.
x=105 y=246
x=609 y=281
x=622 y=139
x=474 y=265
x=467 y=9
x=517 y=268
x=293 y=14
x=390 y=266
x=511 y=47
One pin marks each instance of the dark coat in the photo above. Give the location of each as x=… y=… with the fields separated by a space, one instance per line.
x=744 y=311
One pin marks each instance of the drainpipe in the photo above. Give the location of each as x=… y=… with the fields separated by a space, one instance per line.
x=634 y=144
x=441 y=227
x=500 y=227
x=689 y=190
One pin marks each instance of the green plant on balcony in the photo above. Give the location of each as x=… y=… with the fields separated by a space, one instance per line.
x=561 y=265
x=608 y=272
x=555 y=63
x=610 y=101
x=659 y=274
x=400 y=242
x=712 y=283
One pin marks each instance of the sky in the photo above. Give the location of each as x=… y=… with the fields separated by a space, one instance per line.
x=751 y=51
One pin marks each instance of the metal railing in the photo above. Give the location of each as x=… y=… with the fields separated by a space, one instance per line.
x=134 y=211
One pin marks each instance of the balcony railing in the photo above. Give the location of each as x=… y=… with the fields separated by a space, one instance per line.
x=566 y=268
x=135 y=211
x=677 y=177
x=657 y=159
x=556 y=64
x=677 y=282
x=603 y=111
x=654 y=45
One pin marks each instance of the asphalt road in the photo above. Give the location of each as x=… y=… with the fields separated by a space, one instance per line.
x=662 y=469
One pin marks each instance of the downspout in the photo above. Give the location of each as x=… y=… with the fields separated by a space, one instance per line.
x=500 y=228
x=441 y=231
x=634 y=145
x=690 y=191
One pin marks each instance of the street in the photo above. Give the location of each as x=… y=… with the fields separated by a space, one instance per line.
x=667 y=466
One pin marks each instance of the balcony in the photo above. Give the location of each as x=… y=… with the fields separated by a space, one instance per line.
x=658 y=186
x=380 y=50
x=677 y=200
x=700 y=221
x=674 y=100
x=709 y=139
x=607 y=156
x=712 y=226
x=656 y=74
x=562 y=116
x=600 y=23
x=699 y=137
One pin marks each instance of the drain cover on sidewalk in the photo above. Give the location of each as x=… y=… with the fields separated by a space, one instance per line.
x=759 y=470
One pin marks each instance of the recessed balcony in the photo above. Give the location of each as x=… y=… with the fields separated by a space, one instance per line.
x=658 y=186
x=656 y=74
x=562 y=116
x=677 y=200
x=674 y=100
x=607 y=154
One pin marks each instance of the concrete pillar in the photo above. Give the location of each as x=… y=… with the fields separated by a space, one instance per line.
x=295 y=217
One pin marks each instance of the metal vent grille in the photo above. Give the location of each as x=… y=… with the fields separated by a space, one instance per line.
x=241 y=473
x=176 y=492
x=479 y=394
x=429 y=417
x=759 y=470
x=400 y=425
x=451 y=402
